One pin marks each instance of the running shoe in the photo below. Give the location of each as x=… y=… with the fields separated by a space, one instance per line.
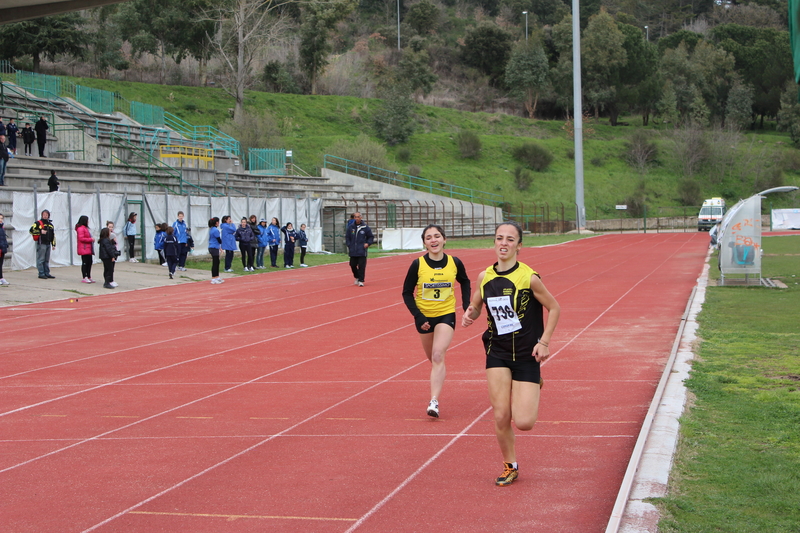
x=433 y=408
x=114 y=284
x=4 y=282
x=92 y=281
x=355 y=283
x=163 y=264
x=360 y=283
x=85 y=280
x=170 y=275
x=303 y=265
x=228 y=270
x=509 y=475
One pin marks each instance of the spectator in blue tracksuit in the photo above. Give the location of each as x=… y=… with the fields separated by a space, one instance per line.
x=12 y=130
x=359 y=237
x=289 y=238
x=158 y=242
x=274 y=240
x=228 y=229
x=180 y=235
x=302 y=242
x=263 y=242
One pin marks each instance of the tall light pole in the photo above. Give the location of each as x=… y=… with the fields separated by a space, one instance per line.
x=398 y=24
x=526 y=24
x=580 y=215
x=647 y=32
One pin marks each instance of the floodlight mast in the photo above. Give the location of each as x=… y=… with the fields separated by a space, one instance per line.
x=580 y=215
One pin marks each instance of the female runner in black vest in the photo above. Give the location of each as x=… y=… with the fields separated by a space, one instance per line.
x=516 y=341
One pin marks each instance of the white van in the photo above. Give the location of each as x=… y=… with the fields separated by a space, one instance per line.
x=712 y=212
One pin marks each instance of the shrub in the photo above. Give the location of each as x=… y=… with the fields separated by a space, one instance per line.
x=534 y=155
x=362 y=150
x=689 y=192
x=522 y=179
x=641 y=151
x=403 y=154
x=414 y=170
x=254 y=130
x=469 y=144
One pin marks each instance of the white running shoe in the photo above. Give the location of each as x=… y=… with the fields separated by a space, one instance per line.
x=433 y=408
x=228 y=270
x=92 y=281
x=360 y=283
x=303 y=265
x=4 y=282
x=85 y=280
x=113 y=284
x=163 y=264
x=355 y=283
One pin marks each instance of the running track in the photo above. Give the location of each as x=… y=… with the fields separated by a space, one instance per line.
x=294 y=401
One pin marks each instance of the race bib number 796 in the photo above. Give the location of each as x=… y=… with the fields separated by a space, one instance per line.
x=503 y=313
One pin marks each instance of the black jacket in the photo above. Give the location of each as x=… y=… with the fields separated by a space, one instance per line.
x=41 y=128
x=53 y=183
x=106 y=249
x=28 y=135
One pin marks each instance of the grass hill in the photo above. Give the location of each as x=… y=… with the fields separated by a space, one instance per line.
x=732 y=165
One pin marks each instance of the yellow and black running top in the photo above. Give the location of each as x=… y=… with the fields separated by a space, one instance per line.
x=515 y=317
x=434 y=284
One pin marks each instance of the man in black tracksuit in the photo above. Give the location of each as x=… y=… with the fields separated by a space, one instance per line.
x=358 y=238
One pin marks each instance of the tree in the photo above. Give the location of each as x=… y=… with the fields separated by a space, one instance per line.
x=487 y=48
x=394 y=122
x=415 y=70
x=603 y=58
x=637 y=84
x=319 y=20
x=739 y=107
x=150 y=27
x=526 y=73
x=423 y=17
x=45 y=37
x=242 y=28
x=105 y=43
x=789 y=115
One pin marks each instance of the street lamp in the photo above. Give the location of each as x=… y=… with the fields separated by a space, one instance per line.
x=647 y=32
x=526 y=24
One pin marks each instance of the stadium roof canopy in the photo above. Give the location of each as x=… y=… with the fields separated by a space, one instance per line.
x=17 y=10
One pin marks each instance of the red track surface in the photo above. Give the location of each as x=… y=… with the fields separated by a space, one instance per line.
x=294 y=401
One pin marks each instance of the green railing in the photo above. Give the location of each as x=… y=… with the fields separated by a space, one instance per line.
x=203 y=133
x=97 y=100
x=266 y=162
x=150 y=167
x=412 y=182
x=152 y=115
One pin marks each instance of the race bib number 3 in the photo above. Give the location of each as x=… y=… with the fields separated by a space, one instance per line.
x=438 y=292
x=503 y=313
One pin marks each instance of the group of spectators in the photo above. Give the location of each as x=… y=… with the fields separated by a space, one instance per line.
x=8 y=140
x=253 y=236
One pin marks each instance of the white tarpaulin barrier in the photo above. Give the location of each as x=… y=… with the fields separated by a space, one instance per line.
x=783 y=219
x=153 y=208
x=402 y=239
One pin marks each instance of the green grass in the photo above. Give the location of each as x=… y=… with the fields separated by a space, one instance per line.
x=310 y=125
x=738 y=464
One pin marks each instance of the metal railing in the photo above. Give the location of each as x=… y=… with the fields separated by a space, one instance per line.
x=266 y=162
x=412 y=182
x=192 y=154
x=203 y=133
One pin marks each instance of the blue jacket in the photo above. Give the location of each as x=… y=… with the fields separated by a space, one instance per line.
x=302 y=238
x=3 y=241
x=289 y=237
x=274 y=235
x=228 y=239
x=214 y=239
x=356 y=237
x=180 y=230
x=171 y=246
x=130 y=228
x=245 y=235
x=158 y=240
x=263 y=237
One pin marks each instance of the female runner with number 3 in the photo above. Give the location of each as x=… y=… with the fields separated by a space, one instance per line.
x=434 y=307
x=516 y=341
